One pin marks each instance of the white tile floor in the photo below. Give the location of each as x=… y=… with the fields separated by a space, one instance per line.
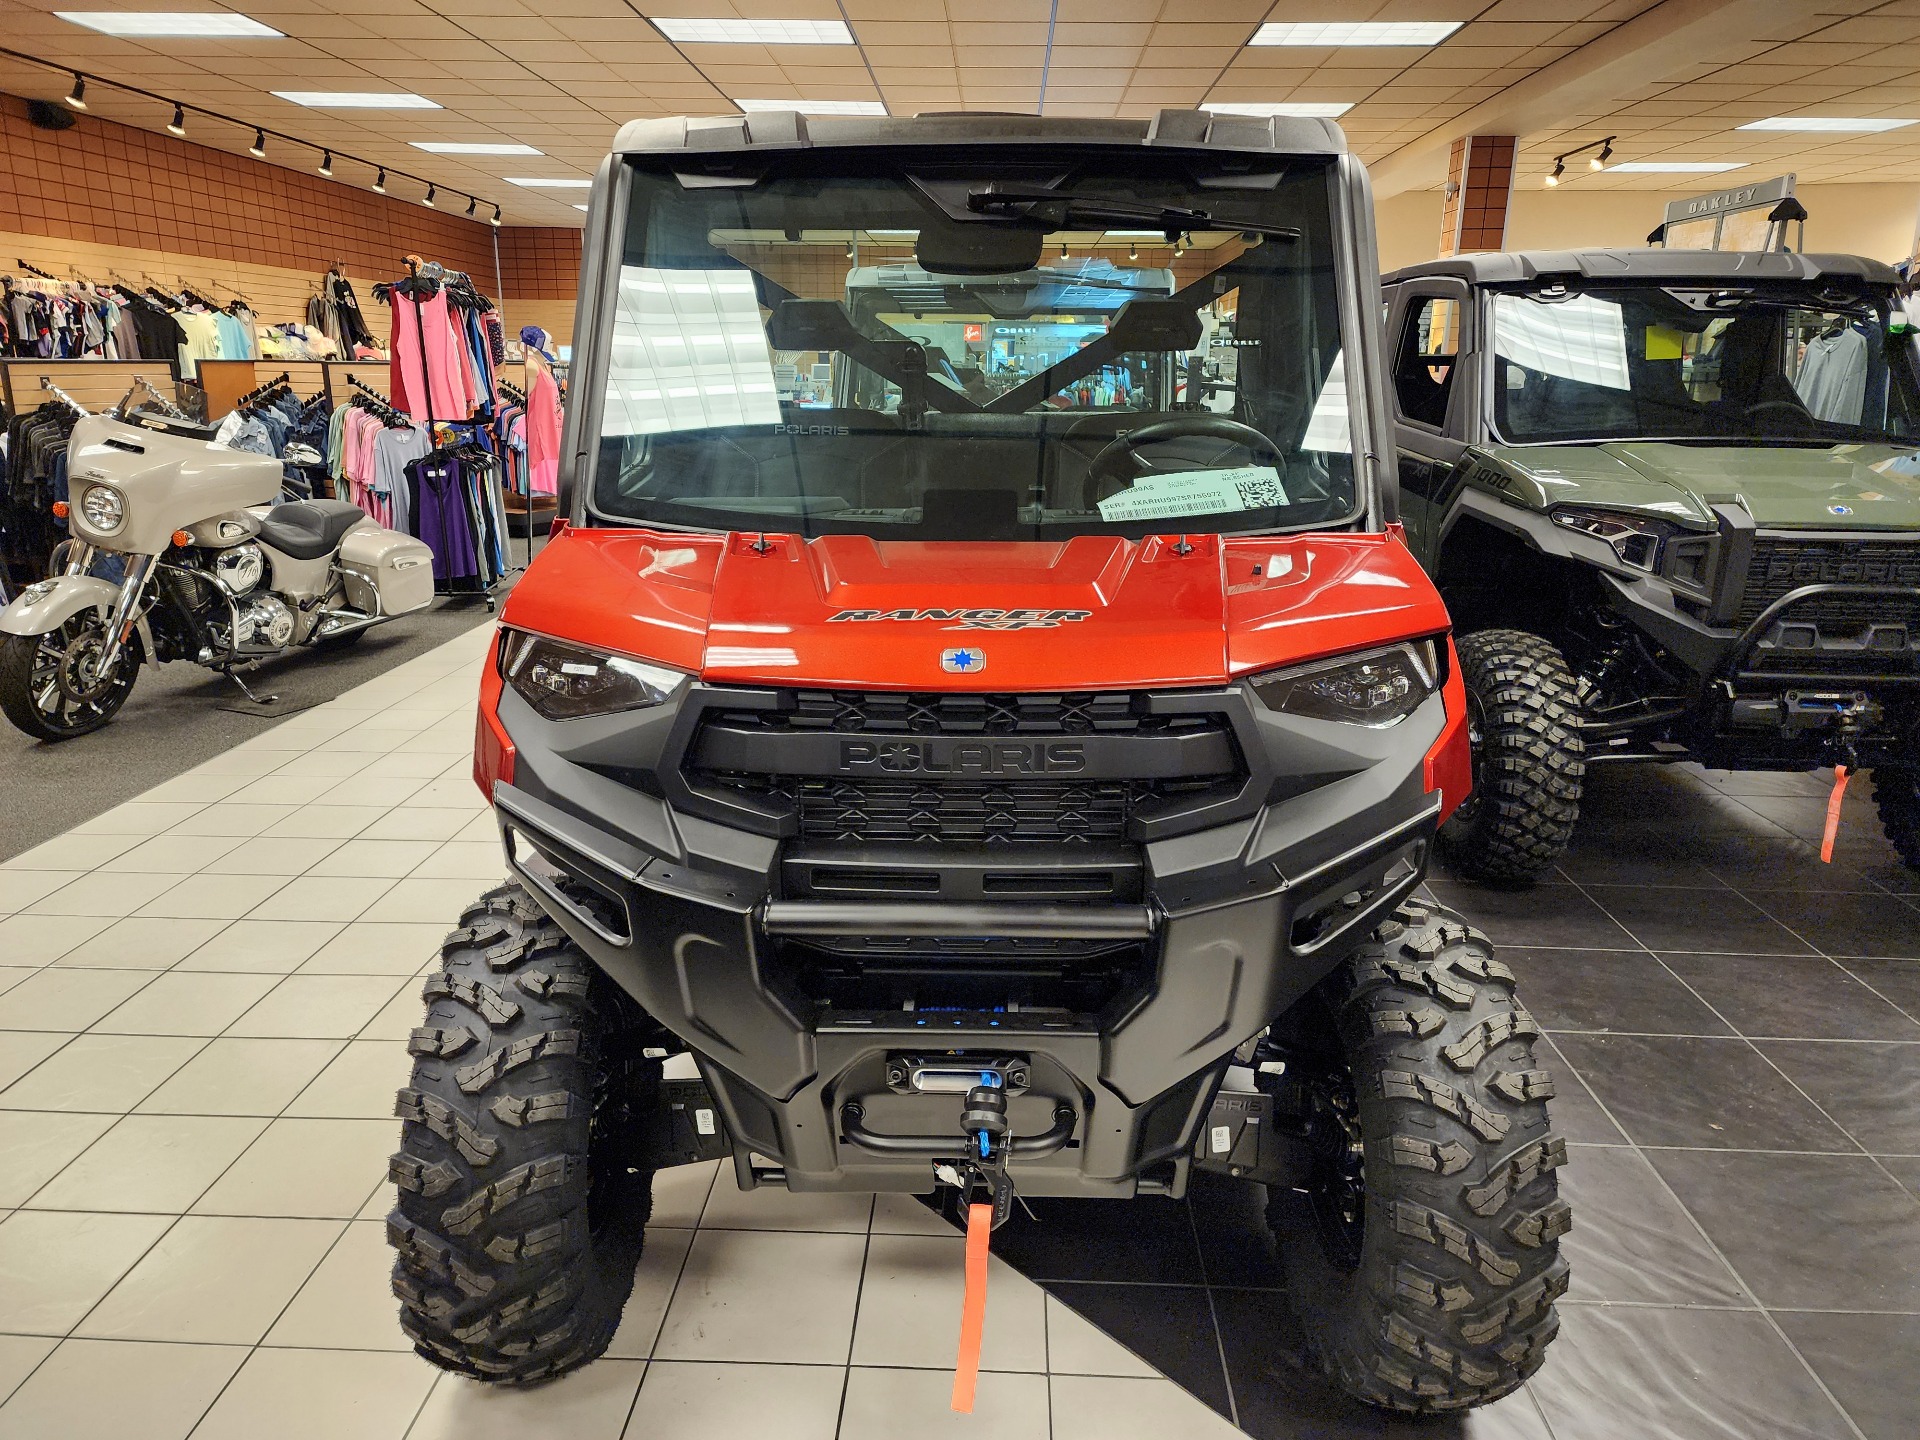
x=204 y=995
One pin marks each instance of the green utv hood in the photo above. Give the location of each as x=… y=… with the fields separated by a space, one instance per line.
x=1835 y=487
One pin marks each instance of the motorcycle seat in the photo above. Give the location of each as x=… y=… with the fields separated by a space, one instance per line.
x=308 y=529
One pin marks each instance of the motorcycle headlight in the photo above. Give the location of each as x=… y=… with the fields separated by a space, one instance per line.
x=1375 y=688
x=566 y=682
x=1636 y=539
x=102 y=508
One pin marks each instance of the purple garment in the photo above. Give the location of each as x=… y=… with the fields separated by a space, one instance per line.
x=441 y=517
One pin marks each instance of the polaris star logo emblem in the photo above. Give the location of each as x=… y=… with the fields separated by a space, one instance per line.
x=962 y=661
x=972 y=619
x=1839 y=509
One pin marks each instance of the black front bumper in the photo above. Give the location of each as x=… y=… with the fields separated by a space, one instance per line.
x=1233 y=924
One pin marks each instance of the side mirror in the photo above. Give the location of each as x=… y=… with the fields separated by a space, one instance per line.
x=302 y=455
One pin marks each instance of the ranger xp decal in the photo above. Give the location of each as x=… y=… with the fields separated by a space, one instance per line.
x=975 y=619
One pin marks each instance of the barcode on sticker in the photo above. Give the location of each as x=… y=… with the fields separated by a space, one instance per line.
x=1259 y=494
x=703 y=1121
x=1222 y=1139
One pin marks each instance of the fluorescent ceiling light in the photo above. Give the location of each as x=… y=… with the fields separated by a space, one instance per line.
x=1675 y=167
x=1354 y=32
x=754 y=32
x=815 y=107
x=1137 y=234
x=1293 y=109
x=893 y=232
x=151 y=24
x=1825 y=122
x=536 y=182
x=463 y=147
x=579 y=207
x=358 y=99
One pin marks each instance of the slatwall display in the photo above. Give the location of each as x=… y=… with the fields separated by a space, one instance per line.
x=96 y=384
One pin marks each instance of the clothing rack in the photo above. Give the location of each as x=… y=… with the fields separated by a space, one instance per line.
x=373 y=400
x=512 y=392
x=34 y=270
x=282 y=381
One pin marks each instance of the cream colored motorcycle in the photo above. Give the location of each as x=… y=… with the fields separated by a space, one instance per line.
x=178 y=552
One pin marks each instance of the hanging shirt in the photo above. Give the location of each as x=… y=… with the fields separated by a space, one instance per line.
x=202 y=343
x=1833 y=377
x=543 y=435
x=430 y=374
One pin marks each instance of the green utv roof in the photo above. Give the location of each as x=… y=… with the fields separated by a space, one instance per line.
x=1521 y=267
x=789 y=130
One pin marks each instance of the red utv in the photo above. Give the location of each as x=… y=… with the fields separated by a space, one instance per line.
x=980 y=706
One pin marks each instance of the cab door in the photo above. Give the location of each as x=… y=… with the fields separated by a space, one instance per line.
x=1430 y=332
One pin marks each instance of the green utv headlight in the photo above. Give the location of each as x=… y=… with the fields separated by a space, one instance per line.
x=1375 y=688
x=1636 y=539
x=565 y=682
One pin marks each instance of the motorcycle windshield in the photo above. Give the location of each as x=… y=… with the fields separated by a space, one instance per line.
x=911 y=346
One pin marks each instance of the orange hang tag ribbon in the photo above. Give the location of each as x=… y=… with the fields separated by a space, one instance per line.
x=1833 y=814
x=973 y=1311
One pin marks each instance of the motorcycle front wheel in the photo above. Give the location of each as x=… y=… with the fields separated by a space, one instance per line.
x=52 y=686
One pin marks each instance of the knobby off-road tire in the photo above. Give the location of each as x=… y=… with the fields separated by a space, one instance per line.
x=519 y=1225
x=1529 y=761
x=1449 y=1303
x=1896 y=789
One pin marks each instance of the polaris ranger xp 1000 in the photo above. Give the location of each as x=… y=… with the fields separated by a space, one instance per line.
x=996 y=737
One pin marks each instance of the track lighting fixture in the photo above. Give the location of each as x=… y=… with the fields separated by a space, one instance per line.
x=380 y=182
x=496 y=217
x=1133 y=251
x=77 y=97
x=431 y=192
x=1594 y=161
x=326 y=164
x=850 y=254
x=473 y=203
x=1063 y=249
x=178 y=125
x=259 y=147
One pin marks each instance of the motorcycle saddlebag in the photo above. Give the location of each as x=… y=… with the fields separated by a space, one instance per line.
x=386 y=573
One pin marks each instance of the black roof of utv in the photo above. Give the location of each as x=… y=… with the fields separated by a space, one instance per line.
x=789 y=130
x=1522 y=267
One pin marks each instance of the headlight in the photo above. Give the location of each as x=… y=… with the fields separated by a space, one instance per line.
x=565 y=682
x=1634 y=538
x=1377 y=688
x=102 y=508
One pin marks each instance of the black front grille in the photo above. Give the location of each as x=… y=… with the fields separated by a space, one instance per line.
x=864 y=712
x=961 y=812
x=971 y=809
x=1782 y=565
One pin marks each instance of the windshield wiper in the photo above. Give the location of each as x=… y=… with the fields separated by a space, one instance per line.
x=1059 y=209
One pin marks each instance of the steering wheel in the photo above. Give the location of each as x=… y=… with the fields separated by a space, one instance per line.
x=1794 y=408
x=1120 y=459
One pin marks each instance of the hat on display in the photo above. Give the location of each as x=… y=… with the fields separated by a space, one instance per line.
x=534 y=338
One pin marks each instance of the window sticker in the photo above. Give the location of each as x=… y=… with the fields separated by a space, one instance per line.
x=1197 y=492
x=1664 y=343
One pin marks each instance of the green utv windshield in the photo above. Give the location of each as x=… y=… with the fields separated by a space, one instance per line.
x=1644 y=362
x=918 y=347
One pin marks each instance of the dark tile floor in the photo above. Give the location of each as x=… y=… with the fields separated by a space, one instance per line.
x=1736 y=1032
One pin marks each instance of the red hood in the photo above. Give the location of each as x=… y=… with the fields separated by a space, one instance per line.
x=1096 y=612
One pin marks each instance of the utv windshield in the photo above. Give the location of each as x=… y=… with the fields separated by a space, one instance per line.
x=921 y=347
x=1645 y=362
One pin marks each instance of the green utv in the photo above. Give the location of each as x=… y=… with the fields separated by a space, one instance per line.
x=1672 y=500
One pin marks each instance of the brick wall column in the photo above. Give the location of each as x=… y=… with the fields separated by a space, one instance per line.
x=1479 y=187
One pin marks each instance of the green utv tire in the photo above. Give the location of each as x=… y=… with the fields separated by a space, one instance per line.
x=1443 y=1299
x=1896 y=789
x=522 y=1209
x=1529 y=761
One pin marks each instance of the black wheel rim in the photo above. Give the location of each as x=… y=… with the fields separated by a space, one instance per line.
x=1477 y=747
x=69 y=690
x=1337 y=1187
